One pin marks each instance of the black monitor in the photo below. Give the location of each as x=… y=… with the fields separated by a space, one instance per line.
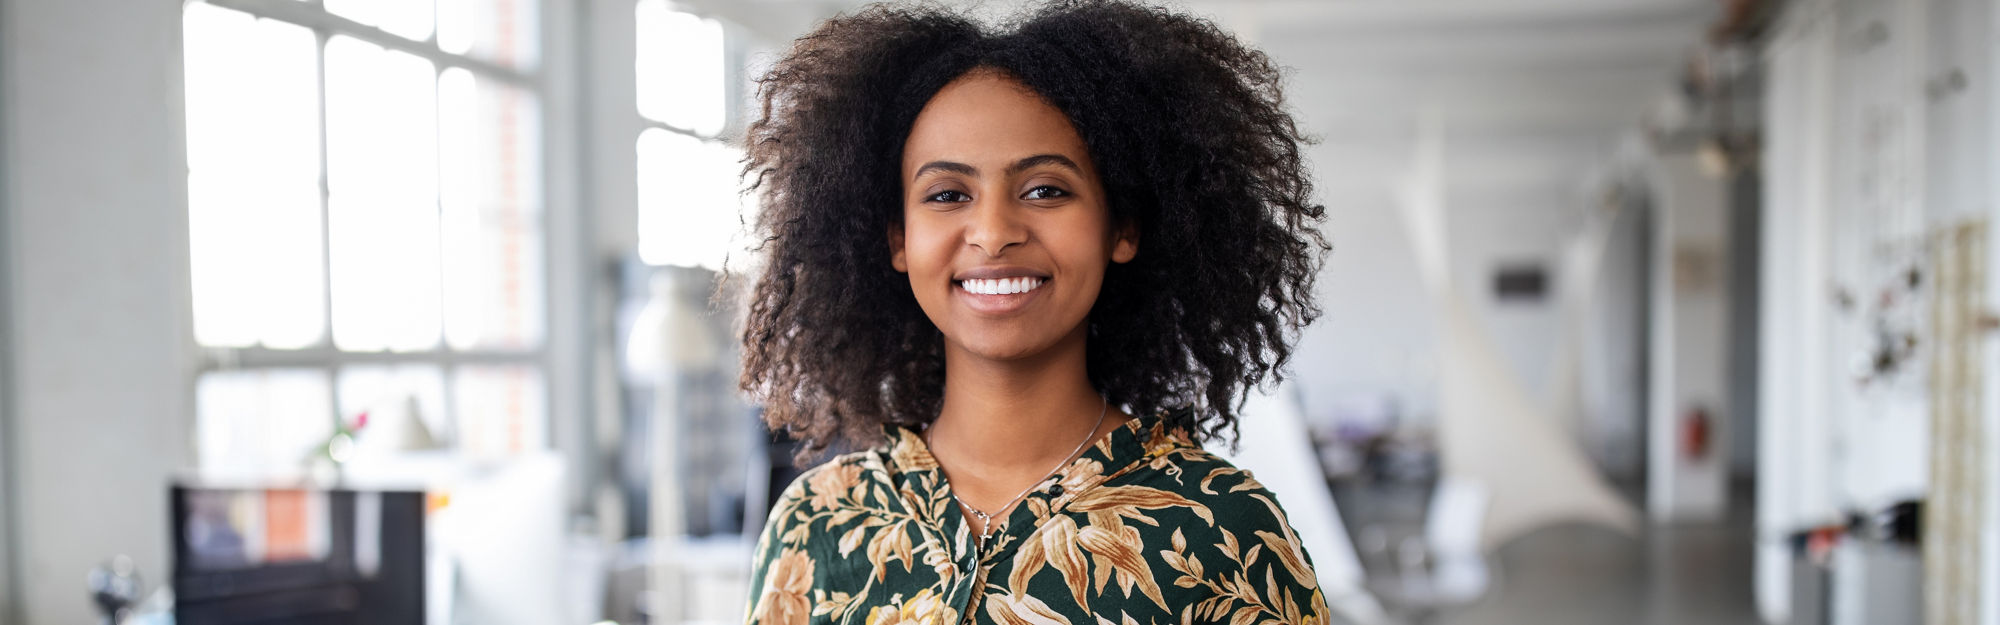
x=298 y=556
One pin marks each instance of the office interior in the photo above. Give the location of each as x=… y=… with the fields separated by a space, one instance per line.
x=404 y=311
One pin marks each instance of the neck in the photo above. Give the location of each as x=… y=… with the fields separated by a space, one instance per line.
x=1005 y=424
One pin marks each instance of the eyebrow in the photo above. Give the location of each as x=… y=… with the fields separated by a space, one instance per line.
x=1018 y=166
x=1043 y=159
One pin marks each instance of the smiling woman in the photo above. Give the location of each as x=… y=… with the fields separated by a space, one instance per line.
x=1028 y=271
x=1002 y=193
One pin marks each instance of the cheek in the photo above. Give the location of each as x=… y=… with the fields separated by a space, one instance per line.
x=926 y=251
x=1088 y=240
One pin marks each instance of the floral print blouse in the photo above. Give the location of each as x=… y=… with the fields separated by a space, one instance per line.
x=1143 y=528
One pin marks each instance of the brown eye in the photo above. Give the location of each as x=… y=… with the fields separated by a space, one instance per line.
x=947 y=197
x=1044 y=192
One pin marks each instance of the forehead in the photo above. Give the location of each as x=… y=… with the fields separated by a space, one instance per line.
x=988 y=120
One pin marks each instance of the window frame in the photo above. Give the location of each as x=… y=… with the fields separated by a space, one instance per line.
x=737 y=52
x=558 y=343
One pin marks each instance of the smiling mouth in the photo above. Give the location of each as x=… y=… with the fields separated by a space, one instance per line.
x=1001 y=286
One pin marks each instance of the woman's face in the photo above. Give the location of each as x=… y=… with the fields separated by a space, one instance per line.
x=1005 y=233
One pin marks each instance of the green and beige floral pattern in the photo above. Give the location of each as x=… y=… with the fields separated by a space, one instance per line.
x=1144 y=528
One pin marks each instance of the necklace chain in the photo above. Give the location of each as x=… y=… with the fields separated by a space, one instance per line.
x=986 y=519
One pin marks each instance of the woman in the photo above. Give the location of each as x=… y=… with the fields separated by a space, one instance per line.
x=1028 y=270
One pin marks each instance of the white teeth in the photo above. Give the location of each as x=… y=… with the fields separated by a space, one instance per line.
x=1002 y=286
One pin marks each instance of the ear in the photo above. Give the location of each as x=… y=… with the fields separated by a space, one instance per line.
x=1126 y=246
x=897 y=258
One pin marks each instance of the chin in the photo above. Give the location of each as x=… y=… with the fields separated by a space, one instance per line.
x=1006 y=345
x=1003 y=350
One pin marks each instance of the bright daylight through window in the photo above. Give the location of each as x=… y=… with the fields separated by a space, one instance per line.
x=365 y=209
x=689 y=205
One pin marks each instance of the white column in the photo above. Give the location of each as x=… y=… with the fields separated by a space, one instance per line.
x=1690 y=342
x=1990 y=565
x=1791 y=470
x=102 y=357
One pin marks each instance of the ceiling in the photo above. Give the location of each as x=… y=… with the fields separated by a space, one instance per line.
x=1531 y=94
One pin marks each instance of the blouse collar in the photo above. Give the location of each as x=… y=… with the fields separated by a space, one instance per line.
x=1138 y=442
x=907 y=454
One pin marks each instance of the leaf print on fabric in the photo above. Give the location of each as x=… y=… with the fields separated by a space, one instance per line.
x=910 y=454
x=1293 y=560
x=1147 y=529
x=1060 y=550
x=889 y=545
x=833 y=484
x=1027 y=562
x=1021 y=610
x=828 y=604
x=1120 y=550
x=1287 y=547
x=852 y=539
x=936 y=558
x=1079 y=477
x=1215 y=473
x=1249 y=483
x=1126 y=501
x=926 y=608
x=786 y=585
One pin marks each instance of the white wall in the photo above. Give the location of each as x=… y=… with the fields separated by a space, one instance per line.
x=1492 y=228
x=1531 y=108
x=1689 y=342
x=1375 y=335
x=7 y=509
x=1867 y=152
x=1794 y=445
x=8 y=607
x=1990 y=567
x=1613 y=362
x=101 y=360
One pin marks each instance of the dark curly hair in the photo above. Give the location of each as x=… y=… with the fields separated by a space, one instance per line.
x=1190 y=135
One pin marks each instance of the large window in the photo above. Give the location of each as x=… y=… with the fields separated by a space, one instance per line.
x=689 y=208
x=365 y=212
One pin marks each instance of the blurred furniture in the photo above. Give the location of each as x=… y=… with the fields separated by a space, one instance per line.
x=290 y=555
x=695 y=473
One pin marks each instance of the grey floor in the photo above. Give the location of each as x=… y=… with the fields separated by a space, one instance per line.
x=1697 y=574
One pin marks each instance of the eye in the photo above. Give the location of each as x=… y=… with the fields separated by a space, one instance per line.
x=948 y=196
x=1044 y=192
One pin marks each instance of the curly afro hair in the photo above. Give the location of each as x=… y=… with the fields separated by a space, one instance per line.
x=1193 y=143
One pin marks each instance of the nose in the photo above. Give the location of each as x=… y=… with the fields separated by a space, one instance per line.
x=995 y=226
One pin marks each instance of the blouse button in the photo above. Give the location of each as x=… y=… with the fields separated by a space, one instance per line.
x=1056 y=491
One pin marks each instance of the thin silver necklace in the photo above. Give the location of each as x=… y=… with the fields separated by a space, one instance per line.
x=986 y=519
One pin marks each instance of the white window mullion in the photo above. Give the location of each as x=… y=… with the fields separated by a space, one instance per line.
x=377 y=198
x=320 y=37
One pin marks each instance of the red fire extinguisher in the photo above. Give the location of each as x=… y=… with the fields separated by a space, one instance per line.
x=1695 y=434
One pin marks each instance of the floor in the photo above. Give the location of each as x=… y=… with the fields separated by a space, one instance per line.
x=1696 y=574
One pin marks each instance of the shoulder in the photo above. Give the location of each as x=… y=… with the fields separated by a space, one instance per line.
x=1216 y=540
x=831 y=478
x=1225 y=507
x=1232 y=496
x=1249 y=514
x=832 y=484
x=1249 y=547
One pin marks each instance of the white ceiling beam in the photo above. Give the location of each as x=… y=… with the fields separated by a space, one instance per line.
x=1397 y=14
